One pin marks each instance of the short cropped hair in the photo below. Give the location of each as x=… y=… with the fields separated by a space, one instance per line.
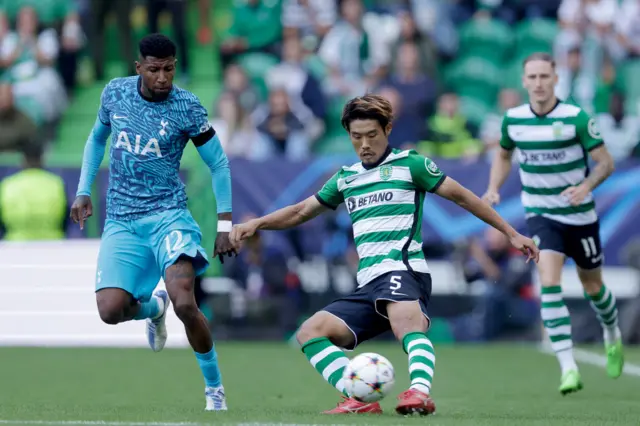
x=33 y=152
x=158 y=46
x=367 y=107
x=539 y=56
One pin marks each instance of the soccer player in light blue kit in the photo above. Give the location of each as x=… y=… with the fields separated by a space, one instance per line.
x=149 y=233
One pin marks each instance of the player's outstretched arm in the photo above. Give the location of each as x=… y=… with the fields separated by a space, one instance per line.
x=285 y=218
x=93 y=154
x=500 y=169
x=211 y=152
x=500 y=166
x=453 y=191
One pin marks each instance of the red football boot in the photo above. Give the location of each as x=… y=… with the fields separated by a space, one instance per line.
x=413 y=401
x=352 y=406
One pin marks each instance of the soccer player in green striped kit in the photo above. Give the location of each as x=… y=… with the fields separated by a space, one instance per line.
x=384 y=195
x=553 y=140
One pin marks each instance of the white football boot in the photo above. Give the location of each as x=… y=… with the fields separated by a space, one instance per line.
x=216 y=400
x=156 y=327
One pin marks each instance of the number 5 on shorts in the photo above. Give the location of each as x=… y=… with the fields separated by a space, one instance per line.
x=395 y=285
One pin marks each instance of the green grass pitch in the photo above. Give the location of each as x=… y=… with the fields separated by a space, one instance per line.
x=274 y=384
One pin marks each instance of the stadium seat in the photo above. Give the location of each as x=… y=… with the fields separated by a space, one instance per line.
x=512 y=78
x=474 y=109
x=629 y=84
x=536 y=35
x=629 y=78
x=488 y=38
x=256 y=66
x=334 y=144
x=474 y=77
x=334 y=114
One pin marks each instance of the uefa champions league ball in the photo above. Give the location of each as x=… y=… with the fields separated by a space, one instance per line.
x=368 y=377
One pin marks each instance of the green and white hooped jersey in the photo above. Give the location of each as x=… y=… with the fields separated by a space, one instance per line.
x=552 y=152
x=385 y=205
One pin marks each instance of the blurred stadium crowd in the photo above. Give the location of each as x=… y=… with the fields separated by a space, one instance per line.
x=281 y=71
x=450 y=68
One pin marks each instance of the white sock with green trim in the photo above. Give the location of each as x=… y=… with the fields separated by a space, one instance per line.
x=604 y=304
x=328 y=360
x=555 y=317
x=422 y=360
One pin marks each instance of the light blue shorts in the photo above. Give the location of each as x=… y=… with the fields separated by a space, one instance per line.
x=135 y=254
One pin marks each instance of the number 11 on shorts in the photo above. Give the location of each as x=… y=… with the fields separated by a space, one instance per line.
x=395 y=285
x=589 y=246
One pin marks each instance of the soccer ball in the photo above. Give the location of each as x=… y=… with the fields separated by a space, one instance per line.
x=368 y=377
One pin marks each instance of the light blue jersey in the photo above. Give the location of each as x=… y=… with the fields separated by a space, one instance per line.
x=148 y=139
x=148 y=227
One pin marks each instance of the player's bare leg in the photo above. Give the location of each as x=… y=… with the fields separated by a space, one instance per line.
x=409 y=325
x=318 y=337
x=603 y=303
x=116 y=305
x=180 y=281
x=555 y=317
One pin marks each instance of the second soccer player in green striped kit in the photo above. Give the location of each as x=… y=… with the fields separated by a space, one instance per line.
x=553 y=140
x=384 y=195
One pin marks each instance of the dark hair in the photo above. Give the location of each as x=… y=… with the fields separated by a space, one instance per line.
x=32 y=152
x=367 y=107
x=539 y=56
x=157 y=45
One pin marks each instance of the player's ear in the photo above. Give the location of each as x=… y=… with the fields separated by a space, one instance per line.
x=138 y=65
x=388 y=128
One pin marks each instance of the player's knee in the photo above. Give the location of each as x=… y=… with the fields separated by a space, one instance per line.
x=323 y=324
x=550 y=268
x=186 y=310
x=110 y=314
x=591 y=280
x=406 y=317
x=549 y=277
x=112 y=306
x=310 y=329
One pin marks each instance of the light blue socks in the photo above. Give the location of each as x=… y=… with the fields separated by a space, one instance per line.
x=148 y=309
x=209 y=365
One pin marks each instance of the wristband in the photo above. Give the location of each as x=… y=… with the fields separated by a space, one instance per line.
x=225 y=226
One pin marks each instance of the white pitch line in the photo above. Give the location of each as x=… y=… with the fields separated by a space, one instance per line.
x=598 y=360
x=95 y=423
x=112 y=423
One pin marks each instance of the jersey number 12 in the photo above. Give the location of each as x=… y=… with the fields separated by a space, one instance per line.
x=178 y=244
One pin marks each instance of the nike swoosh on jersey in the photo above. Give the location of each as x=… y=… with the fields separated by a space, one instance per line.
x=554 y=323
x=118 y=117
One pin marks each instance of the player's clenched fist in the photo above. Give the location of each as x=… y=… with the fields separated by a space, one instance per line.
x=243 y=231
x=81 y=209
x=223 y=246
